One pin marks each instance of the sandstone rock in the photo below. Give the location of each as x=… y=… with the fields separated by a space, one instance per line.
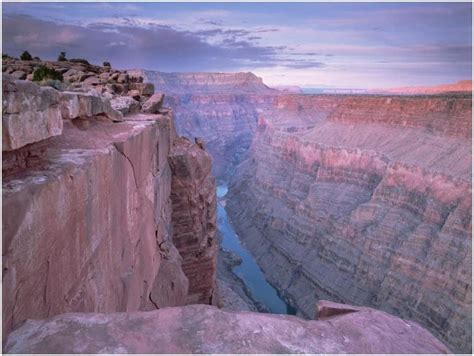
x=206 y=329
x=75 y=105
x=153 y=104
x=85 y=76
x=122 y=78
x=92 y=80
x=194 y=217
x=357 y=201
x=29 y=77
x=134 y=94
x=126 y=105
x=30 y=113
x=104 y=76
x=19 y=74
x=171 y=285
x=146 y=89
x=101 y=254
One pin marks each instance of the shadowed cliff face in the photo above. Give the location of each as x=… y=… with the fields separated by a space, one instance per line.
x=368 y=204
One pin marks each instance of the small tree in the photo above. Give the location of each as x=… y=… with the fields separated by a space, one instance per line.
x=106 y=64
x=42 y=73
x=62 y=57
x=26 y=56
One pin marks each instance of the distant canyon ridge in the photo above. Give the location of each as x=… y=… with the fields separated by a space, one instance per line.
x=362 y=199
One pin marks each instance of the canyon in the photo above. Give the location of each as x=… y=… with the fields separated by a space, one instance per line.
x=361 y=199
x=110 y=215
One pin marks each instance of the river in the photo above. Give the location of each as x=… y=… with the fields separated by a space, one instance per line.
x=248 y=270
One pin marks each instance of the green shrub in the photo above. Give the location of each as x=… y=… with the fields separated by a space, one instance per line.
x=62 y=57
x=107 y=64
x=26 y=56
x=37 y=58
x=6 y=56
x=43 y=73
x=79 y=60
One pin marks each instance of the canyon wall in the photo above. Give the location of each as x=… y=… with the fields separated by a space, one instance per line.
x=367 y=201
x=90 y=214
x=222 y=108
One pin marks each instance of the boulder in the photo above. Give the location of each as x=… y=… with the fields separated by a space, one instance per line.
x=19 y=74
x=206 y=329
x=134 y=94
x=30 y=113
x=78 y=105
x=92 y=80
x=123 y=78
x=125 y=104
x=146 y=89
x=154 y=104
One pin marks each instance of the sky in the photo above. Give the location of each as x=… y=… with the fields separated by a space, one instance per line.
x=343 y=45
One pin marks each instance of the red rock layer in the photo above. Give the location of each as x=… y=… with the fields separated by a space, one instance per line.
x=87 y=221
x=362 y=222
x=193 y=197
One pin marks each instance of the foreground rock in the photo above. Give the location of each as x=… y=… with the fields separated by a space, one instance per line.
x=88 y=217
x=206 y=329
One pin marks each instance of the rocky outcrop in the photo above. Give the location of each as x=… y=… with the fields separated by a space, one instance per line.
x=88 y=215
x=30 y=113
x=206 y=329
x=358 y=206
x=193 y=197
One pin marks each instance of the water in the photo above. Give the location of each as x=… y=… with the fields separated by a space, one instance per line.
x=248 y=270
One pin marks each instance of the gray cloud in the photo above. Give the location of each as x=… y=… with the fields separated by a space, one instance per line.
x=130 y=45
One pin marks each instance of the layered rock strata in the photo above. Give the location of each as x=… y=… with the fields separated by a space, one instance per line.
x=88 y=216
x=193 y=198
x=206 y=329
x=222 y=108
x=358 y=205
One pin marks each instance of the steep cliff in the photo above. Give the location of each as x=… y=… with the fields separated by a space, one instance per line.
x=90 y=215
x=366 y=200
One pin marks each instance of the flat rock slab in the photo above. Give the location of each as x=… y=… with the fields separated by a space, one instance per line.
x=206 y=329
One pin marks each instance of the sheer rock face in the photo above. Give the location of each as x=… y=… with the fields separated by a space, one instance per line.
x=87 y=221
x=193 y=196
x=82 y=223
x=206 y=329
x=30 y=113
x=360 y=207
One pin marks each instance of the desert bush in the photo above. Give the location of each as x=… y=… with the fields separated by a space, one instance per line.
x=62 y=57
x=26 y=56
x=42 y=73
x=106 y=64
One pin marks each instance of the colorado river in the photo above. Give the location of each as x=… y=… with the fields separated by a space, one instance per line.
x=248 y=270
